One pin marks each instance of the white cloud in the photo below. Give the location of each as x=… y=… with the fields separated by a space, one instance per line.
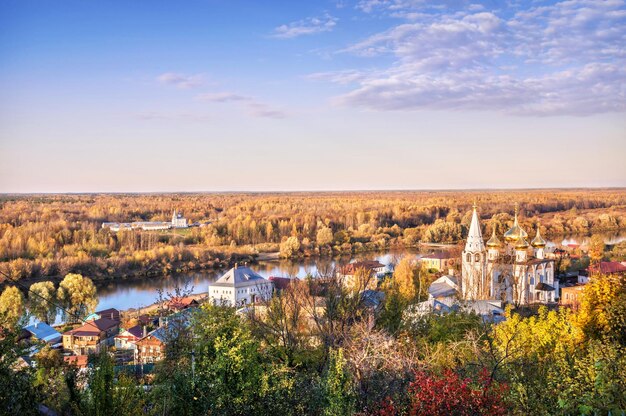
x=180 y=80
x=563 y=58
x=252 y=106
x=308 y=26
x=223 y=97
x=156 y=115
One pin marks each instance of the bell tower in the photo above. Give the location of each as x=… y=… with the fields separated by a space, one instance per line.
x=474 y=263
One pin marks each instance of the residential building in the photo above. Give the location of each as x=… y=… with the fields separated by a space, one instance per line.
x=111 y=313
x=445 y=287
x=607 y=267
x=79 y=361
x=370 y=270
x=180 y=303
x=127 y=338
x=442 y=261
x=488 y=310
x=151 y=347
x=91 y=337
x=239 y=287
x=507 y=272
x=42 y=332
x=571 y=295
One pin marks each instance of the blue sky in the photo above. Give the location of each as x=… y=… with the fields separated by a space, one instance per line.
x=277 y=96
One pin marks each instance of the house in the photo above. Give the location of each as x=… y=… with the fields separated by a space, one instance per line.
x=111 y=313
x=91 y=337
x=608 y=267
x=571 y=295
x=44 y=333
x=151 y=348
x=438 y=261
x=280 y=283
x=373 y=269
x=181 y=303
x=445 y=287
x=488 y=310
x=127 y=338
x=239 y=287
x=79 y=361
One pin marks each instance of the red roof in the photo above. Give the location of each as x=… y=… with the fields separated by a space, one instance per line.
x=280 y=282
x=368 y=265
x=440 y=256
x=93 y=327
x=182 y=303
x=79 y=361
x=608 y=267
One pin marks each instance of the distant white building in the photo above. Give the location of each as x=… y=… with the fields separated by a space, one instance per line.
x=178 y=221
x=239 y=287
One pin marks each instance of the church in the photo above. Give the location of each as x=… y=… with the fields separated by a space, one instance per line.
x=505 y=270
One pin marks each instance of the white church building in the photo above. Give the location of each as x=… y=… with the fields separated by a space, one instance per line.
x=240 y=286
x=178 y=221
x=507 y=272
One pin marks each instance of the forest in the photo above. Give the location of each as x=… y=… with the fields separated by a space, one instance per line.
x=50 y=236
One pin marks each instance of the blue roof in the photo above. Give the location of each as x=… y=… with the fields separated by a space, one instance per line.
x=176 y=322
x=44 y=332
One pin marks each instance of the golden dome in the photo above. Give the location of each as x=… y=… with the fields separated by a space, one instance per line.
x=493 y=242
x=516 y=231
x=521 y=244
x=538 y=241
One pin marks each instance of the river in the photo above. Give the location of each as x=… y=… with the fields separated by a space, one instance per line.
x=141 y=292
x=137 y=293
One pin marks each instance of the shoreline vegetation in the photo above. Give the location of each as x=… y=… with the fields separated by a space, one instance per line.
x=45 y=237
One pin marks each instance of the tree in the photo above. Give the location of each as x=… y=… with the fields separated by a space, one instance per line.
x=324 y=236
x=601 y=310
x=338 y=386
x=289 y=247
x=41 y=299
x=17 y=395
x=596 y=249
x=406 y=277
x=77 y=294
x=451 y=394
x=11 y=306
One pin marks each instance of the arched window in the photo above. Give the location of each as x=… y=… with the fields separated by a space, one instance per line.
x=477 y=257
x=468 y=257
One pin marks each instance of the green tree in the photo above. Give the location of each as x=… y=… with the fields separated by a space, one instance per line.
x=11 y=306
x=77 y=294
x=17 y=395
x=41 y=299
x=338 y=386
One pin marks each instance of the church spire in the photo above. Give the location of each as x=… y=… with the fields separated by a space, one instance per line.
x=475 y=241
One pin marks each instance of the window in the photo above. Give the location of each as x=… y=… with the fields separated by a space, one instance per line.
x=468 y=257
x=477 y=257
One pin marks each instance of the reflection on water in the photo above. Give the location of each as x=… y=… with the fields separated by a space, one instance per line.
x=139 y=293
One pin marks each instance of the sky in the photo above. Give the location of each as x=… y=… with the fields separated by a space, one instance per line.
x=230 y=95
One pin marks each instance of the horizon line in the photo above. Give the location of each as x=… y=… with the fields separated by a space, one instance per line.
x=407 y=190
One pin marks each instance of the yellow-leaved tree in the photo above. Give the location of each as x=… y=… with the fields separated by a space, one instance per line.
x=600 y=299
x=406 y=278
x=11 y=306
x=77 y=294
x=41 y=301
